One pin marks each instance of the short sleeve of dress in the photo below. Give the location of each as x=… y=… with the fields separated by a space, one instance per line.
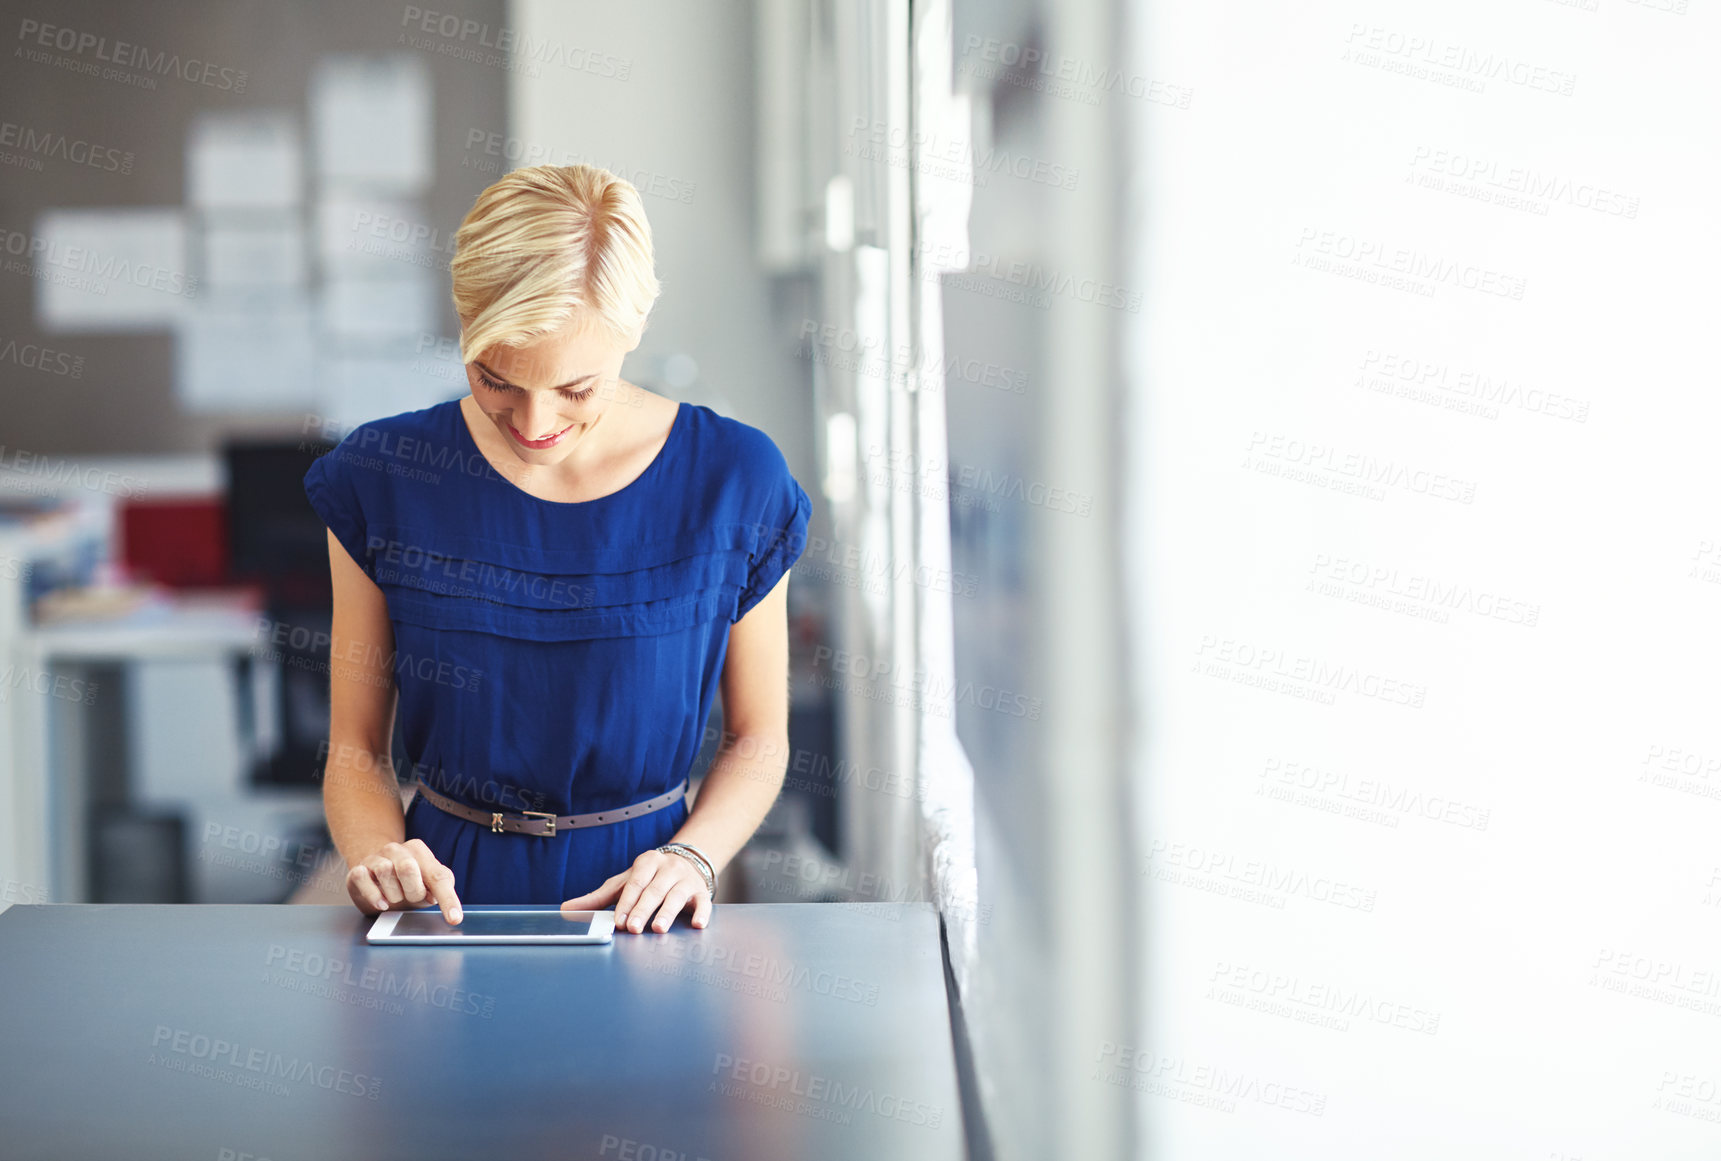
x=782 y=534
x=331 y=488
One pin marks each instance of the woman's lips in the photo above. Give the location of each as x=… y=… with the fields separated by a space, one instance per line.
x=538 y=444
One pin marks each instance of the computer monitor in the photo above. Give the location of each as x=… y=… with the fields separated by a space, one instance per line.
x=276 y=538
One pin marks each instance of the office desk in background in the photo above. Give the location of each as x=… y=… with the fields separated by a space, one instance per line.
x=811 y=1032
x=184 y=746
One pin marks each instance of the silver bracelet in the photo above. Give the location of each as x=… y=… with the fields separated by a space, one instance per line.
x=706 y=874
x=703 y=857
x=700 y=863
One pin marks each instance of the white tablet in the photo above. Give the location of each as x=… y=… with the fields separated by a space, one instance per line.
x=498 y=926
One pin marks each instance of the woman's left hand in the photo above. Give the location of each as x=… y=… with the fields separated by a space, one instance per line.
x=657 y=882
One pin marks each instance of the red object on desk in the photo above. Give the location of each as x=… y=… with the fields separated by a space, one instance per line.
x=179 y=543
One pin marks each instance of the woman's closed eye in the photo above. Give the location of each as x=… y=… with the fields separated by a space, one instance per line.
x=509 y=389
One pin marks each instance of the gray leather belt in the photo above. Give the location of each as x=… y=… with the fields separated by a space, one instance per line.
x=541 y=823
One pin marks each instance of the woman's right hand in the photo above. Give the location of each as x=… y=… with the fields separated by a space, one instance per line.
x=401 y=876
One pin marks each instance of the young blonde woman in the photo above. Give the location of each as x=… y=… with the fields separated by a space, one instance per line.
x=549 y=580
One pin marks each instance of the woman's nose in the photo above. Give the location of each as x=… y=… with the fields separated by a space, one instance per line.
x=536 y=416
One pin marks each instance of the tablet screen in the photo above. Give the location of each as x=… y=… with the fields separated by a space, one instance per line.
x=494 y=923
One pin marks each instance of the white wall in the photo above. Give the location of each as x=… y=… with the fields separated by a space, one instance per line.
x=1515 y=626
x=663 y=94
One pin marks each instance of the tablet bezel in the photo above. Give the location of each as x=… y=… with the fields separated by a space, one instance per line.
x=602 y=930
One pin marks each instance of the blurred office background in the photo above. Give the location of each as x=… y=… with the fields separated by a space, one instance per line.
x=1263 y=543
x=219 y=277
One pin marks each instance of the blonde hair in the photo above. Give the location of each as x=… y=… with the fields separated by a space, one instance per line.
x=546 y=242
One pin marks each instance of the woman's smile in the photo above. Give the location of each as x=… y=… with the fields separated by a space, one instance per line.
x=539 y=444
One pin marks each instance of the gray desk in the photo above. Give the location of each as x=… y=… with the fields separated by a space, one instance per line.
x=813 y=1032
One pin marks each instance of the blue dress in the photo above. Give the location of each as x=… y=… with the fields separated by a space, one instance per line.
x=553 y=656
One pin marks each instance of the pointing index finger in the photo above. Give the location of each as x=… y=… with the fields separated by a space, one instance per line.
x=440 y=882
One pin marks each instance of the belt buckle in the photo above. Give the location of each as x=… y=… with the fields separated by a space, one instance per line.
x=549 y=820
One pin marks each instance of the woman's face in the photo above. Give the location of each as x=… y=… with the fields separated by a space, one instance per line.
x=542 y=396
